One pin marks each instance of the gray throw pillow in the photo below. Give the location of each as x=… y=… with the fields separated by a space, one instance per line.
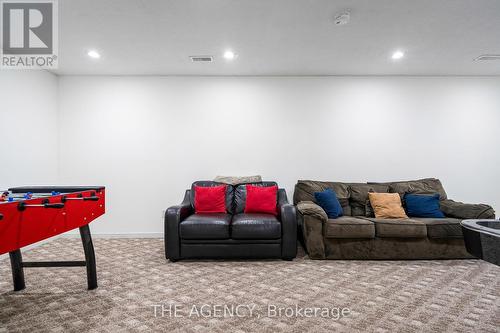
x=238 y=180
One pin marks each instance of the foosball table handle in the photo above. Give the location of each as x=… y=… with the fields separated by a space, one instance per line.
x=80 y=197
x=45 y=204
x=54 y=205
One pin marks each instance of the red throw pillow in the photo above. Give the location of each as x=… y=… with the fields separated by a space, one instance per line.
x=261 y=199
x=210 y=199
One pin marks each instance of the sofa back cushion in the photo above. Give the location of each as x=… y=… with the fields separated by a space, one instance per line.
x=207 y=183
x=240 y=195
x=305 y=189
x=360 y=204
x=420 y=186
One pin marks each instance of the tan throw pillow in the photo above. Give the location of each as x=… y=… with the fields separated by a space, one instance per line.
x=387 y=205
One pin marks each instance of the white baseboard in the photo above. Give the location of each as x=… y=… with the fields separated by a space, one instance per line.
x=126 y=235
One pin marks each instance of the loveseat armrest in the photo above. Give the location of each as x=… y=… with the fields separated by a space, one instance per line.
x=288 y=216
x=462 y=210
x=312 y=218
x=173 y=217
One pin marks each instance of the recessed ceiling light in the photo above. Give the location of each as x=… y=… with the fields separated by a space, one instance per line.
x=93 y=54
x=398 y=55
x=229 y=55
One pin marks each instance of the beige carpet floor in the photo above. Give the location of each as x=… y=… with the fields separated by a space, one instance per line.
x=135 y=279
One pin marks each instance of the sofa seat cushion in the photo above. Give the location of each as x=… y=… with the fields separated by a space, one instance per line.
x=255 y=226
x=349 y=227
x=399 y=228
x=442 y=228
x=206 y=226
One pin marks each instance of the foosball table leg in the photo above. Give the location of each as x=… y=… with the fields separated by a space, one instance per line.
x=88 y=248
x=16 y=262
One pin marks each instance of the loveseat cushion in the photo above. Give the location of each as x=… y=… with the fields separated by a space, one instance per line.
x=349 y=227
x=399 y=228
x=205 y=226
x=255 y=226
x=442 y=228
x=240 y=195
x=208 y=183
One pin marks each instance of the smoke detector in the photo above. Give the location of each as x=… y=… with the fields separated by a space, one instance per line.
x=343 y=18
x=485 y=57
x=201 y=58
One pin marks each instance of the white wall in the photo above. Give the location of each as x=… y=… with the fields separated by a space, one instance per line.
x=28 y=128
x=148 y=138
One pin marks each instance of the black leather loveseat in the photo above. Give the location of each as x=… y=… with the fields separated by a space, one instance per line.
x=233 y=234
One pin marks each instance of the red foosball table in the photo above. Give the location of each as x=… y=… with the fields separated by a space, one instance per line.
x=31 y=214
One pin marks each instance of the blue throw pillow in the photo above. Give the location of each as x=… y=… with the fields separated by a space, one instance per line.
x=327 y=200
x=419 y=205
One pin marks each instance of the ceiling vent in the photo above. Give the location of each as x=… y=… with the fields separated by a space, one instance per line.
x=201 y=58
x=485 y=57
x=343 y=18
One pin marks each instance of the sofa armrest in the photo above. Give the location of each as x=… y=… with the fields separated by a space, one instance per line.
x=311 y=209
x=462 y=210
x=312 y=218
x=288 y=216
x=173 y=217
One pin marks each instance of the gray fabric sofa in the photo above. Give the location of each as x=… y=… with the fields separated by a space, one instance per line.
x=359 y=235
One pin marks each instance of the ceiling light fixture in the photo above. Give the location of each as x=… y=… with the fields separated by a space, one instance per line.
x=229 y=55
x=398 y=55
x=93 y=54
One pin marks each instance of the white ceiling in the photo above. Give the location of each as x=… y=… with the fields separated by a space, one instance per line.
x=279 y=37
